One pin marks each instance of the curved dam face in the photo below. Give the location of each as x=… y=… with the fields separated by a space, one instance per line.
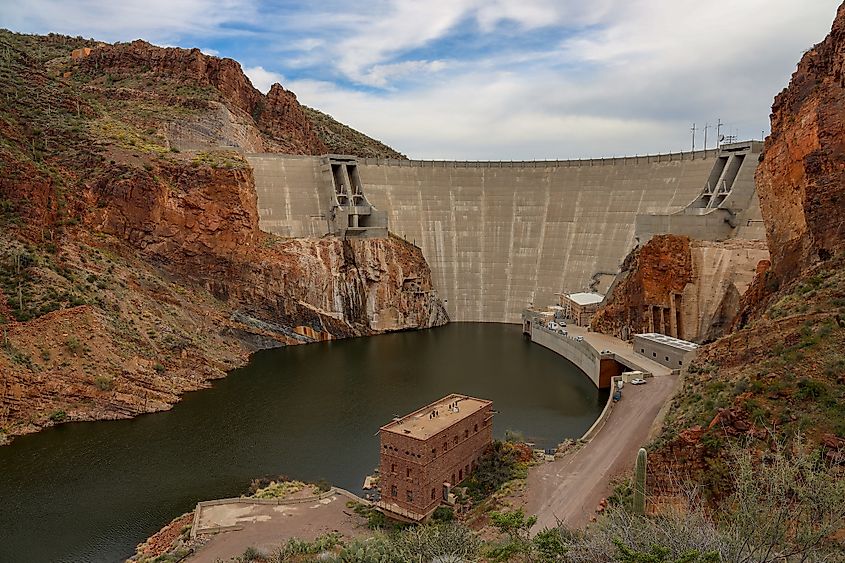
x=502 y=236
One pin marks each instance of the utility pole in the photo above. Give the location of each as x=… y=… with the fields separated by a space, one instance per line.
x=719 y=133
x=693 y=129
x=706 y=127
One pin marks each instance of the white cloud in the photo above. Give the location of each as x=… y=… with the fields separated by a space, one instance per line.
x=154 y=20
x=631 y=78
x=263 y=79
x=383 y=74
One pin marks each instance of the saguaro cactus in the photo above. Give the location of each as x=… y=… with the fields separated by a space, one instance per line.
x=639 y=482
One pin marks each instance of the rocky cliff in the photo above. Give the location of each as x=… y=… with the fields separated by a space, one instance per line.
x=781 y=371
x=132 y=271
x=801 y=178
x=227 y=110
x=689 y=289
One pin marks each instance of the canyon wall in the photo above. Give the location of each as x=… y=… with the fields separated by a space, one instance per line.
x=801 y=179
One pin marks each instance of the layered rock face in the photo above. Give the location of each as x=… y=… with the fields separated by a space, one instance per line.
x=231 y=289
x=685 y=288
x=801 y=179
x=282 y=122
x=203 y=225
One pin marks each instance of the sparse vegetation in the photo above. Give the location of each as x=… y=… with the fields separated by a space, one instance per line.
x=58 y=416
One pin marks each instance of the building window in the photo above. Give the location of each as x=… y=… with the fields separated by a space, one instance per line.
x=654 y=354
x=460 y=475
x=680 y=363
x=434 y=451
x=433 y=493
x=667 y=358
x=453 y=479
x=456 y=440
x=409 y=496
x=476 y=428
x=445 y=446
x=393 y=468
x=466 y=433
x=393 y=491
x=642 y=350
x=408 y=472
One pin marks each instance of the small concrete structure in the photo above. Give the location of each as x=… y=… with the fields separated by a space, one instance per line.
x=425 y=453
x=350 y=214
x=673 y=353
x=580 y=307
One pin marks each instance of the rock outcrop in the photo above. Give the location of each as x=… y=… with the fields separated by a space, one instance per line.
x=781 y=371
x=801 y=178
x=689 y=289
x=132 y=271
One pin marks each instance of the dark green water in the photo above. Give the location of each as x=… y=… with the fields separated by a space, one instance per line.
x=92 y=491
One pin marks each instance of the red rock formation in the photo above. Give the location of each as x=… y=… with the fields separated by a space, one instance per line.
x=283 y=120
x=650 y=275
x=685 y=288
x=202 y=224
x=278 y=114
x=801 y=179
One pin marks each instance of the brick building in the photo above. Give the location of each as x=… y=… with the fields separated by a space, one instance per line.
x=425 y=453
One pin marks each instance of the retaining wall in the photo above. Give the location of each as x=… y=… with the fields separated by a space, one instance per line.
x=498 y=236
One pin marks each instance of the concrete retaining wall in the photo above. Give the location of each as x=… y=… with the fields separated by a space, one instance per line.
x=499 y=236
x=584 y=356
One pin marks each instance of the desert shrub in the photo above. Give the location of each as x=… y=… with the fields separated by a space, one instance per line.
x=104 y=382
x=58 y=416
x=73 y=345
x=500 y=463
x=810 y=389
x=784 y=507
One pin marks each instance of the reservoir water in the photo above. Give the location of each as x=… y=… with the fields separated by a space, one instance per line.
x=92 y=491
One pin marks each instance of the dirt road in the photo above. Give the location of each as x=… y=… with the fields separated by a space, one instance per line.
x=569 y=489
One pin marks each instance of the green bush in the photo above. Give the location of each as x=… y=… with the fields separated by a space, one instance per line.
x=810 y=389
x=104 y=382
x=500 y=463
x=73 y=345
x=58 y=416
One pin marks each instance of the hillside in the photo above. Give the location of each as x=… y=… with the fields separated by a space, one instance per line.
x=342 y=139
x=132 y=268
x=781 y=371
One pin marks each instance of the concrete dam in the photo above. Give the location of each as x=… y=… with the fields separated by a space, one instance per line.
x=502 y=236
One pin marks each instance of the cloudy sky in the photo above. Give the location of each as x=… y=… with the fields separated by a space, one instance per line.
x=488 y=79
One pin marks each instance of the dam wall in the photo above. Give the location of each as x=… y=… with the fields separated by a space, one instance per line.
x=501 y=236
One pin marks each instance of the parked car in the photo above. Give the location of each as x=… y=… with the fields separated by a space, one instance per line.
x=561 y=331
x=553 y=326
x=638 y=381
x=617 y=396
x=606 y=352
x=579 y=339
